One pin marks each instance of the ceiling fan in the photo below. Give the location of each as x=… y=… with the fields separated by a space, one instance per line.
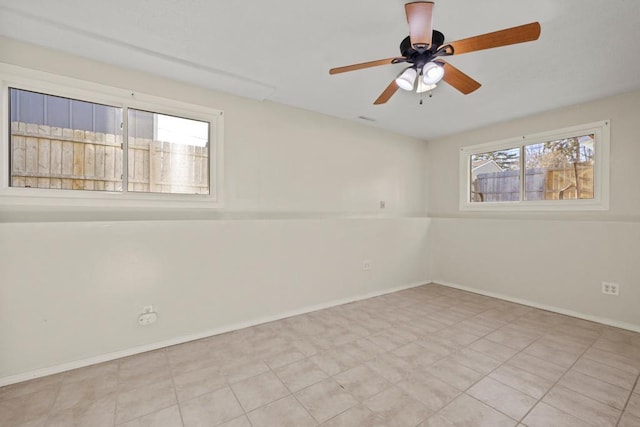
x=424 y=48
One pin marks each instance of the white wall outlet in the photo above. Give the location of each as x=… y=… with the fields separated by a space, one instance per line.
x=366 y=265
x=610 y=288
x=148 y=316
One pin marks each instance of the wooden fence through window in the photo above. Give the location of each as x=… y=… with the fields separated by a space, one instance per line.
x=540 y=184
x=50 y=157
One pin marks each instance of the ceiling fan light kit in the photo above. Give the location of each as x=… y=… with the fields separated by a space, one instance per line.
x=424 y=48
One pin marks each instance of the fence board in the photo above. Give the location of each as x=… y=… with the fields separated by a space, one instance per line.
x=56 y=157
x=99 y=161
x=78 y=161
x=19 y=155
x=31 y=157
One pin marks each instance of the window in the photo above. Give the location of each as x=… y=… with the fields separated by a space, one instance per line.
x=559 y=170
x=106 y=146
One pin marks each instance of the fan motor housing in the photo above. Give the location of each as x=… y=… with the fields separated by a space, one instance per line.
x=437 y=39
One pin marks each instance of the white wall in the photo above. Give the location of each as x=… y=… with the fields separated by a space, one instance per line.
x=302 y=194
x=549 y=259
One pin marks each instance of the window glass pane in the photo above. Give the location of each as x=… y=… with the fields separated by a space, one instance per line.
x=47 y=153
x=174 y=159
x=560 y=169
x=495 y=176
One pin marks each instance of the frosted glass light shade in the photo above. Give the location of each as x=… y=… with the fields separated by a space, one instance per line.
x=407 y=79
x=432 y=73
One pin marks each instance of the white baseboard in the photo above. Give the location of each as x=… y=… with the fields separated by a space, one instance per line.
x=12 y=379
x=559 y=310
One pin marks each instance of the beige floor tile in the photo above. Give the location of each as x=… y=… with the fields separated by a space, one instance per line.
x=605 y=373
x=334 y=361
x=284 y=358
x=465 y=411
x=455 y=337
x=614 y=360
x=357 y=416
x=143 y=370
x=391 y=367
x=96 y=413
x=580 y=406
x=211 y=409
x=432 y=349
x=259 y=390
x=544 y=415
x=168 y=417
x=628 y=420
x=102 y=370
x=242 y=421
x=537 y=366
x=299 y=375
x=39 y=422
x=594 y=388
x=505 y=399
x=145 y=400
x=325 y=399
x=362 y=382
x=195 y=383
x=32 y=386
x=286 y=412
x=419 y=356
x=395 y=407
x=80 y=392
x=546 y=350
x=242 y=369
x=475 y=360
x=388 y=340
x=523 y=381
x=497 y=351
x=28 y=407
x=437 y=420
x=195 y=364
x=430 y=391
x=454 y=373
x=633 y=407
x=474 y=328
x=361 y=350
x=626 y=349
x=510 y=337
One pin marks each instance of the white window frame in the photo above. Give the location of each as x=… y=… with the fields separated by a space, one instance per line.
x=600 y=129
x=37 y=81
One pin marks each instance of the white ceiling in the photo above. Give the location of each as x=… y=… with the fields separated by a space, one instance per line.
x=281 y=50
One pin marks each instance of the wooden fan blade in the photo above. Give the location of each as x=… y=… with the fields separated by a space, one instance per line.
x=388 y=93
x=520 y=34
x=420 y=20
x=458 y=79
x=365 y=65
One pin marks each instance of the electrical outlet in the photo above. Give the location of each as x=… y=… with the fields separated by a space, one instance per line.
x=147 y=318
x=366 y=265
x=383 y=204
x=609 y=288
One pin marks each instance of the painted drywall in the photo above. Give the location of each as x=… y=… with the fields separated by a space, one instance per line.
x=301 y=214
x=554 y=259
x=73 y=290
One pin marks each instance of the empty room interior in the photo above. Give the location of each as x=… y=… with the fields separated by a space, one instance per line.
x=322 y=213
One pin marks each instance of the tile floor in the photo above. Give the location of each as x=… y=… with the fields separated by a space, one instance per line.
x=429 y=356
